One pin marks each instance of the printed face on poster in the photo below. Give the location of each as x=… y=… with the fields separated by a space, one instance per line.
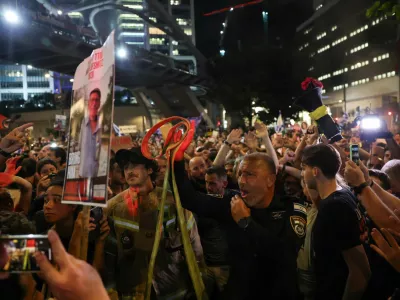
x=60 y=123
x=91 y=123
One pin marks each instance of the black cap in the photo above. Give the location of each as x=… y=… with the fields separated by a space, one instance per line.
x=134 y=156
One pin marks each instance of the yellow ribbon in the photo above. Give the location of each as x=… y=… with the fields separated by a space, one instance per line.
x=319 y=113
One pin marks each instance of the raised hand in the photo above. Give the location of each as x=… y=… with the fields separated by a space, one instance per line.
x=234 y=136
x=239 y=210
x=11 y=166
x=387 y=247
x=75 y=279
x=6 y=179
x=250 y=140
x=353 y=174
x=15 y=139
x=261 y=129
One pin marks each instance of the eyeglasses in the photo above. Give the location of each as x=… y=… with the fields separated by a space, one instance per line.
x=56 y=198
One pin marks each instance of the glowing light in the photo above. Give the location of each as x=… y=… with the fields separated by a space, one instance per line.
x=122 y=53
x=11 y=17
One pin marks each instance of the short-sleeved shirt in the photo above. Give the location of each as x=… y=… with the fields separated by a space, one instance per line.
x=339 y=226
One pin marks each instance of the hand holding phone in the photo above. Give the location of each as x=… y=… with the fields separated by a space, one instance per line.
x=354 y=153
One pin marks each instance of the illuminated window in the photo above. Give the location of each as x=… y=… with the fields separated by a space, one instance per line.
x=341 y=71
x=132 y=25
x=134 y=6
x=385 y=75
x=359 y=30
x=301 y=48
x=155 y=30
x=378 y=20
x=311 y=68
x=326 y=47
x=174 y=43
x=182 y=22
x=157 y=41
x=175 y=2
x=75 y=14
x=340 y=87
x=323 y=77
x=363 y=46
x=321 y=35
x=153 y=19
x=307 y=31
x=381 y=57
x=126 y=33
x=319 y=7
x=188 y=31
x=342 y=39
x=129 y=17
x=359 y=82
x=360 y=64
x=312 y=54
x=175 y=52
x=334 y=28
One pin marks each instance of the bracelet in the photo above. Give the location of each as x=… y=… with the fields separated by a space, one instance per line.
x=227 y=143
x=5 y=154
x=358 y=189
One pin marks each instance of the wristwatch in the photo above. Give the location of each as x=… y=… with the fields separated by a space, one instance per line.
x=227 y=143
x=4 y=153
x=244 y=222
x=358 y=189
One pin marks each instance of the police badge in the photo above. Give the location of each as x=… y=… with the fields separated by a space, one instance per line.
x=298 y=225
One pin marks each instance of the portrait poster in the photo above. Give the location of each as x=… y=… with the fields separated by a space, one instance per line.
x=60 y=123
x=90 y=128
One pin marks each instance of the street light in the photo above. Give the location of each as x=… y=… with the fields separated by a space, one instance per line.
x=59 y=12
x=11 y=17
x=122 y=53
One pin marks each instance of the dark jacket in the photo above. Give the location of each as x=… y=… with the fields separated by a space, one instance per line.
x=263 y=256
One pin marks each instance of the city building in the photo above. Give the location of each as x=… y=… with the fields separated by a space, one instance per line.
x=353 y=56
x=135 y=31
x=24 y=82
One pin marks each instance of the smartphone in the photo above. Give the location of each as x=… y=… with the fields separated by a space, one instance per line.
x=20 y=250
x=97 y=214
x=52 y=175
x=354 y=153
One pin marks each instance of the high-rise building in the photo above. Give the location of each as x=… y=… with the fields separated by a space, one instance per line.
x=352 y=55
x=135 y=31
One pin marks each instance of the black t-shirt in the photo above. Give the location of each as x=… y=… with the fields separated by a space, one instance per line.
x=339 y=226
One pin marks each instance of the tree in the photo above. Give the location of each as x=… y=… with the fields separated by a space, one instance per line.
x=387 y=8
x=260 y=76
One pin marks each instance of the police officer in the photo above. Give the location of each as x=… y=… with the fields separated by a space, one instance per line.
x=134 y=213
x=264 y=230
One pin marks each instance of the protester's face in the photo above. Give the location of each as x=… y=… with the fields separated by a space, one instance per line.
x=54 y=211
x=33 y=154
x=215 y=185
x=229 y=170
x=136 y=175
x=94 y=104
x=387 y=157
x=52 y=156
x=309 y=178
x=162 y=168
x=44 y=152
x=292 y=186
x=197 y=168
x=256 y=183
x=47 y=169
x=116 y=175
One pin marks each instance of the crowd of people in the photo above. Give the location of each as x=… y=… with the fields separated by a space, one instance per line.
x=269 y=216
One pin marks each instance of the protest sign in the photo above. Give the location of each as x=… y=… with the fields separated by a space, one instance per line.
x=91 y=123
x=60 y=123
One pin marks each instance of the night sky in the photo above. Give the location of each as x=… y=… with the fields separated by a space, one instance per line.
x=284 y=16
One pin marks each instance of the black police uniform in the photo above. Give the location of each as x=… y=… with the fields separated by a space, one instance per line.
x=262 y=256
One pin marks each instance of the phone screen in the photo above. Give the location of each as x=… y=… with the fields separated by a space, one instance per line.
x=21 y=249
x=354 y=153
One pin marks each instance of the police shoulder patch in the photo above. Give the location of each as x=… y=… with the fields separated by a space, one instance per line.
x=299 y=225
x=216 y=195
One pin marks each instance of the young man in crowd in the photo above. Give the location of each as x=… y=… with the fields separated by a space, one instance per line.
x=46 y=167
x=134 y=213
x=44 y=152
x=197 y=172
x=59 y=156
x=341 y=266
x=264 y=230
x=213 y=237
x=162 y=168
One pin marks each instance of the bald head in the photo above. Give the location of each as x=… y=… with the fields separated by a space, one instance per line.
x=197 y=168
